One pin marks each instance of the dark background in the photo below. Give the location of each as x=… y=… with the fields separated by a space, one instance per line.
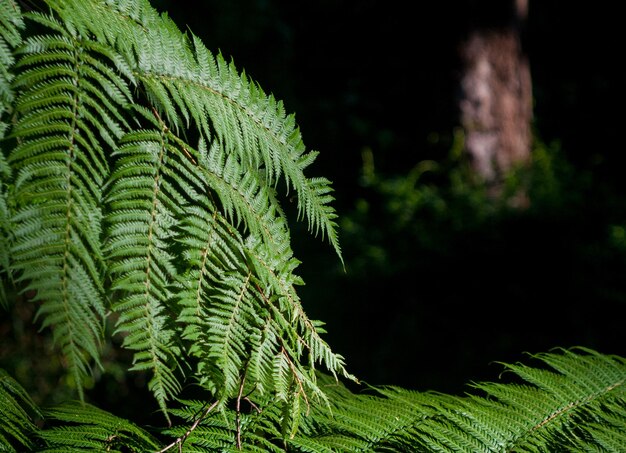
x=435 y=290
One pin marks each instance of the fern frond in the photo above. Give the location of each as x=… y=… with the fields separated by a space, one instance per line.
x=575 y=403
x=67 y=112
x=218 y=290
x=144 y=202
x=200 y=230
x=246 y=197
x=276 y=273
x=222 y=309
x=11 y=25
x=589 y=388
x=192 y=88
x=18 y=414
x=83 y=427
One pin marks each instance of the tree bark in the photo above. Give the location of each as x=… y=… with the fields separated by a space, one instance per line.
x=496 y=97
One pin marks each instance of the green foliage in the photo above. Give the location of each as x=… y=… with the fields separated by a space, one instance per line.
x=78 y=426
x=115 y=212
x=140 y=188
x=569 y=400
x=18 y=414
x=574 y=401
x=11 y=22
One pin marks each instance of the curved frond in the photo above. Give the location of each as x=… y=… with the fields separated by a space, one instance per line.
x=238 y=300
x=191 y=246
x=193 y=89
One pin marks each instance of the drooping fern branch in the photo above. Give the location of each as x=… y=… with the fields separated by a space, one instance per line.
x=65 y=121
x=145 y=182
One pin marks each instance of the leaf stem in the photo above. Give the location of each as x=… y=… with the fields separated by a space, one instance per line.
x=184 y=437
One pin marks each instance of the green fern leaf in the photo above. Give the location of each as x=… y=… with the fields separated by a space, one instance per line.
x=143 y=204
x=11 y=25
x=171 y=229
x=226 y=429
x=191 y=87
x=82 y=427
x=576 y=403
x=18 y=414
x=60 y=167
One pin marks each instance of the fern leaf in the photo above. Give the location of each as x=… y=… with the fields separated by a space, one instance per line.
x=84 y=427
x=218 y=290
x=11 y=25
x=60 y=167
x=18 y=414
x=193 y=88
x=226 y=429
x=200 y=230
x=143 y=204
x=575 y=402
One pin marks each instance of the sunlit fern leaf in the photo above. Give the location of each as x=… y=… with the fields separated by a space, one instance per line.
x=232 y=321
x=198 y=229
x=193 y=88
x=65 y=123
x=362 y=422
x=144 y=203
x=230 y=291
x=245 y=196
x=219 y=309
x=19 y=415
x=575 y=404
x=83 y=427
x=587 y=388
x=513 y=417
x=300 y=334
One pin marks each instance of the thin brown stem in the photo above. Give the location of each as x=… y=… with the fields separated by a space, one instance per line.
x=243 y=381
x=184 y=437
x=256 y=408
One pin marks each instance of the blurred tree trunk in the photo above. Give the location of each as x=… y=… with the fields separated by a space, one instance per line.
x=496 y=97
